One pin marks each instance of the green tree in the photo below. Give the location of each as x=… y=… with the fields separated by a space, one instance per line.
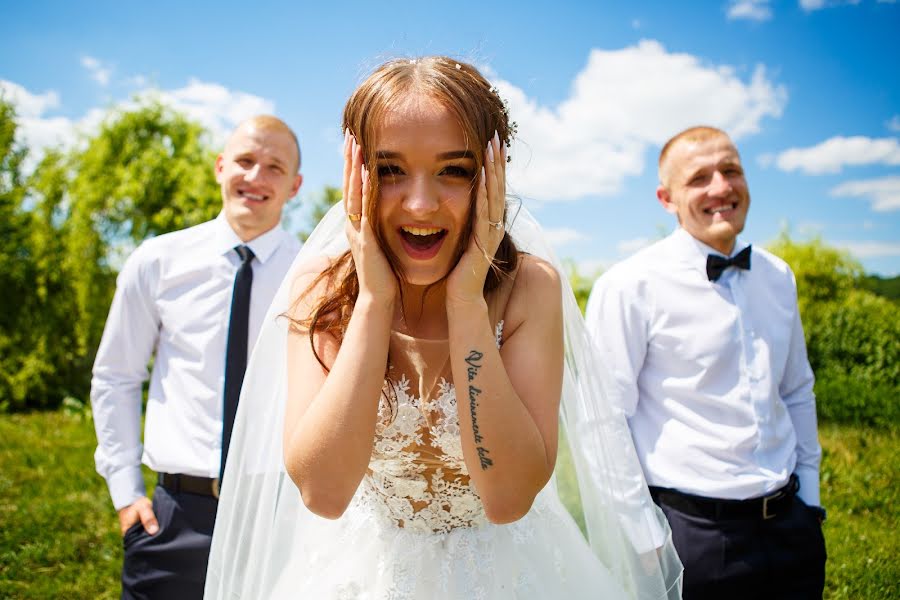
x=889 y=287
x=66 y=229
x=37 y=365
x=53 y=367
x=146 y=172
x=18 y=264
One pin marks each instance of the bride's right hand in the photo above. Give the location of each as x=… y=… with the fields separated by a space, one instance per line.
x=376 y=279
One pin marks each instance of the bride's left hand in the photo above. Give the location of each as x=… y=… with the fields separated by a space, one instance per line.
x=465 y=284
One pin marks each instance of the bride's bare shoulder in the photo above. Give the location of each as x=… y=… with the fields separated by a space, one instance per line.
x=536 y=292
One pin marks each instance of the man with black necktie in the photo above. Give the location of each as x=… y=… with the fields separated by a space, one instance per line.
x=194 y=300
x=700 y=342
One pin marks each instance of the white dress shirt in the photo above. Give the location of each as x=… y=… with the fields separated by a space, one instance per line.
x=713 y=376
x=173 y=297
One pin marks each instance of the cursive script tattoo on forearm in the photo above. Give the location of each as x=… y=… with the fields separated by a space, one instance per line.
x=473 y=360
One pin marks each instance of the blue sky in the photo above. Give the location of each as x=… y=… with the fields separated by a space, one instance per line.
x=810 y=90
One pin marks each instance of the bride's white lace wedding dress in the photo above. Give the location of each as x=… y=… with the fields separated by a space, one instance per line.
x=416 y=528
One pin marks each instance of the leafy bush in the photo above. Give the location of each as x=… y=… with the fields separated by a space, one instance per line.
x=854 y=347
x=823 y=274
x=889 y=287
x=852 y=335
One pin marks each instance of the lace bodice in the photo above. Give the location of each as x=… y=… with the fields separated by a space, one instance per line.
x=417 y=477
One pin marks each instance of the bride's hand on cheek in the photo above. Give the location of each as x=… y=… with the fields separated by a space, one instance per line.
x=465 y=285
x=376 y=279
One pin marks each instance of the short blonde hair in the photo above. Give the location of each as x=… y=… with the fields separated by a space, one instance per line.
x=272 y=124
x=699 y=133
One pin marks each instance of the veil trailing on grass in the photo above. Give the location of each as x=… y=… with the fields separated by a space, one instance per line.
x=262 y=521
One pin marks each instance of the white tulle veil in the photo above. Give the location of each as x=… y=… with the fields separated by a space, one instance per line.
x=261 y=519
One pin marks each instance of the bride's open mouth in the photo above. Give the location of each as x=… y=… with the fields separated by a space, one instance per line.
x=422 y=243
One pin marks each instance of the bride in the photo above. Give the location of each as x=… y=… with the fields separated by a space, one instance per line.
x=398 y=428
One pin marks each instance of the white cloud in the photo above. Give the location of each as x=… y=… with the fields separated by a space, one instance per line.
x=28 y=104
x=766 y=160
x=35 y=130
x=138 y=81
x=216 y=107
x=753 y=10
x=834 y=154
x=894 y=123
x=870 y=249
x=563 y=235
x=620 y=104
x=98 y=70
x=812 y=5
x=884 y=192
x=629 y=247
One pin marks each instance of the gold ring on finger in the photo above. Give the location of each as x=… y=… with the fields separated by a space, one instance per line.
x=354 y=217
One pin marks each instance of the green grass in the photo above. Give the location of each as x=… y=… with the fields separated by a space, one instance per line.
x=59 y=535
x=861 y=490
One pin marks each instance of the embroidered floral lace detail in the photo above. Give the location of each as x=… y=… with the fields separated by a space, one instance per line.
x=417 y=475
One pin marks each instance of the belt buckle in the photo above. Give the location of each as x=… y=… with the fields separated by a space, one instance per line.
x=765 y=511
x=215 y=488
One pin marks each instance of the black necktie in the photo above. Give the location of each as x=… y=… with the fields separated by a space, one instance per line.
x=236 y=353
x=716 y=265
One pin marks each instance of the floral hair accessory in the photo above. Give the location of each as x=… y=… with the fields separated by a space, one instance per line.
x=512 y=126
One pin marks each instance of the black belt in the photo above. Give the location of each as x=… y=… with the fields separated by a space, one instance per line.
x=203 y=486
x=764 y=507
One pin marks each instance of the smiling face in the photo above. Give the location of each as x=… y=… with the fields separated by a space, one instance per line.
x=426 y=173
x=702 y=183
x=257 y=172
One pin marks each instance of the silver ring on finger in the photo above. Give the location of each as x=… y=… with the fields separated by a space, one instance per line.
x=498 y=225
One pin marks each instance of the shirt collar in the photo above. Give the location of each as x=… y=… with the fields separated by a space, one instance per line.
x=694 y=252
x=262 y=246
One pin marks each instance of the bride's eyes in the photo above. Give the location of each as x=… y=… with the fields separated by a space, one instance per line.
x=389 y=171
x=457 y=171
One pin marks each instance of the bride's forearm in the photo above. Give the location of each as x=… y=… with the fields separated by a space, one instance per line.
x=328 y=449
x=503 y=448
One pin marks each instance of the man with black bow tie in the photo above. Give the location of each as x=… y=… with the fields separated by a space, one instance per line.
x=195 y=299
x=700 y=342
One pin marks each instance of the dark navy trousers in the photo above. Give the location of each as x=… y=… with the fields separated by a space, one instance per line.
x=750 y=558
x=170 y=565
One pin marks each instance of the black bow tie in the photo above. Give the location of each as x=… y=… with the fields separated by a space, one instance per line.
x=716 y=265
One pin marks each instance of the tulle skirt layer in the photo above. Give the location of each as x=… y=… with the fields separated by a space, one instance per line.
x=364 y=557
